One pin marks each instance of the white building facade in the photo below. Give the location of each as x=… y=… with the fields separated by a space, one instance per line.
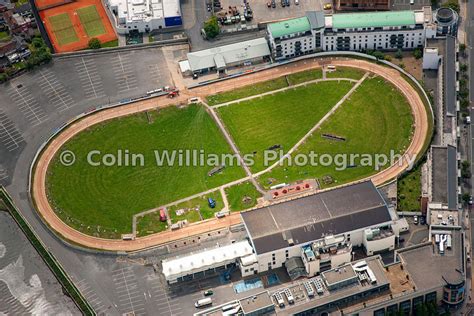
x=392 y=30
x=144 y=16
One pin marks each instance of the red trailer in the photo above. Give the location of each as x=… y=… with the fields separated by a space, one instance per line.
x=163 y=215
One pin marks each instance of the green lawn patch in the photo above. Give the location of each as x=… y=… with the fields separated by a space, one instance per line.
x=86 y=196
x=307 y=75
x=374 y=120
x=247 y=91
x=409 y=191
x=113 y=43
x=199 y=203
x=150 y=224
x=91 y=21
x=345 y=72
x=280 y=119
x=242 y=196
x=63 y=29
x=4 y=36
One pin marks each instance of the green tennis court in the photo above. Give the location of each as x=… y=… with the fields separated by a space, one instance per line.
x=63 y=29
x=91 y=21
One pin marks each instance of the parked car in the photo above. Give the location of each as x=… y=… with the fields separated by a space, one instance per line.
x=415 y=219
x=273 y=4
x=327 y=6
x=422 y=220
x=208 y=293
x=297 y=2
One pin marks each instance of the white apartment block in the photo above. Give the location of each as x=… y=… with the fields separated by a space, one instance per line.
x=390 y=30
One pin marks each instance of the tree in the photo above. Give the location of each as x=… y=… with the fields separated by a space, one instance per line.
x=463 y=67
x=37 y=42
x=453 y=4
x=211 y=27
x=3 y=77
x=94 y=43
x=398 y=54
x=378 y=54
x=466 y=197
x=417 y=53
x=462 y=48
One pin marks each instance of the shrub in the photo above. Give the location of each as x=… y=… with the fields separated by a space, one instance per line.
x=94 y=43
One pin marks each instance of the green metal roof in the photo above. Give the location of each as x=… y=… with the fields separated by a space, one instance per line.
x=373 y=19
x=288 y=27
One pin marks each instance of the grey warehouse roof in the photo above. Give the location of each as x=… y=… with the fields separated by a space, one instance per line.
x=219 y=57
x=310 y=218
x=444 y=176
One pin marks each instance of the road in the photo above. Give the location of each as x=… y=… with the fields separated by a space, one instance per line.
x=46 y=211
x=469 y=32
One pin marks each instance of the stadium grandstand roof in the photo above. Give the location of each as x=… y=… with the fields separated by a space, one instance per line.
x=312 y=217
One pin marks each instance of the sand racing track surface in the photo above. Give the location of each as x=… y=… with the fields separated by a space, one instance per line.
x=39 y=193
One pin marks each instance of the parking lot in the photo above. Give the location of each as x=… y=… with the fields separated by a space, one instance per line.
x=10 y=137
x=262 y=13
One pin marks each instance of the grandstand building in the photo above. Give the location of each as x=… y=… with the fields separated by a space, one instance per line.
x=144 y=16
x=391 y=30
x=307 y=235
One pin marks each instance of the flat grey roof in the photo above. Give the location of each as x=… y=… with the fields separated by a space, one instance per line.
x=316 y=19
x=444 y=176
x=255 y=302
x=312 y=217
x=428 y=269
x=343 y=273
x=450 y=76
x=221 y=56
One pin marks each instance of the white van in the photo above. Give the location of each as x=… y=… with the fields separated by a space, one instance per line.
x=203 y=302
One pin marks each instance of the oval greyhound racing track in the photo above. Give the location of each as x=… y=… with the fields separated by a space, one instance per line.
x=39 y=194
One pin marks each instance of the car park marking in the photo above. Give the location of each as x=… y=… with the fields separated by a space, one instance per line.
x=130 y=298
x=126 y=79
x=167 y=304
x=3 y=174
x=155 y=73
x=90 y=78
x=27 y=104
x=9 y=135
x=54 y=90
x=91 y=297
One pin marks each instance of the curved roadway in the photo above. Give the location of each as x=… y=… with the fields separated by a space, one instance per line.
x=40 y=173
